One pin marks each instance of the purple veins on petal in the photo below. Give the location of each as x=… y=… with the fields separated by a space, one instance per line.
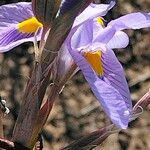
x=12 y=38
x=14 y=13
x=113 y=71
x=17 y=25
x=110 y=99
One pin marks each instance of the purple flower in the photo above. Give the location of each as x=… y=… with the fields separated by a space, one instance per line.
x=65 y=60
x=89 y=45
x=91 y=48
x=18 y=24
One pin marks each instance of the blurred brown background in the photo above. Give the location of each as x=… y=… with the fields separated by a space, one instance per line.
x=77 y=112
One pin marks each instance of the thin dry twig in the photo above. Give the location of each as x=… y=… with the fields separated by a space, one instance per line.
x=139 y=80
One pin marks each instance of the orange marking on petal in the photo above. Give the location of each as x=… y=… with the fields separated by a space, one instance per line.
x=29 y=26
x=94 y=58
x=100 y=21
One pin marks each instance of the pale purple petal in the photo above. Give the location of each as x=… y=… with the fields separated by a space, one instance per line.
x=131 y=21
x=93 y=11
x=83 y=35
x=64 y=60
x=110 y=99
x=104 y=35
x=101 y=39
x=14 y=13
x=10 y=16
x=119 y=40
x=11 y=38
x=114 y=72
x=85 y=26
x=86 y=37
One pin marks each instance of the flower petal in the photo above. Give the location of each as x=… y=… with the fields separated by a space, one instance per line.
x=14 y=13
x=114 y=39
x=131 y=21
x=91 y=31
x=11 y=38
x=119 y=40
x=10 y=16
x=95 y=11
x=110 y=99
x=114 y=72
x=65 y=61
x=104 y=35
x=83 y=35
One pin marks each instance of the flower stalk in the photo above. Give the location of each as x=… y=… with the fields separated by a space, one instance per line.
x=26 y=128
x=59 y=31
